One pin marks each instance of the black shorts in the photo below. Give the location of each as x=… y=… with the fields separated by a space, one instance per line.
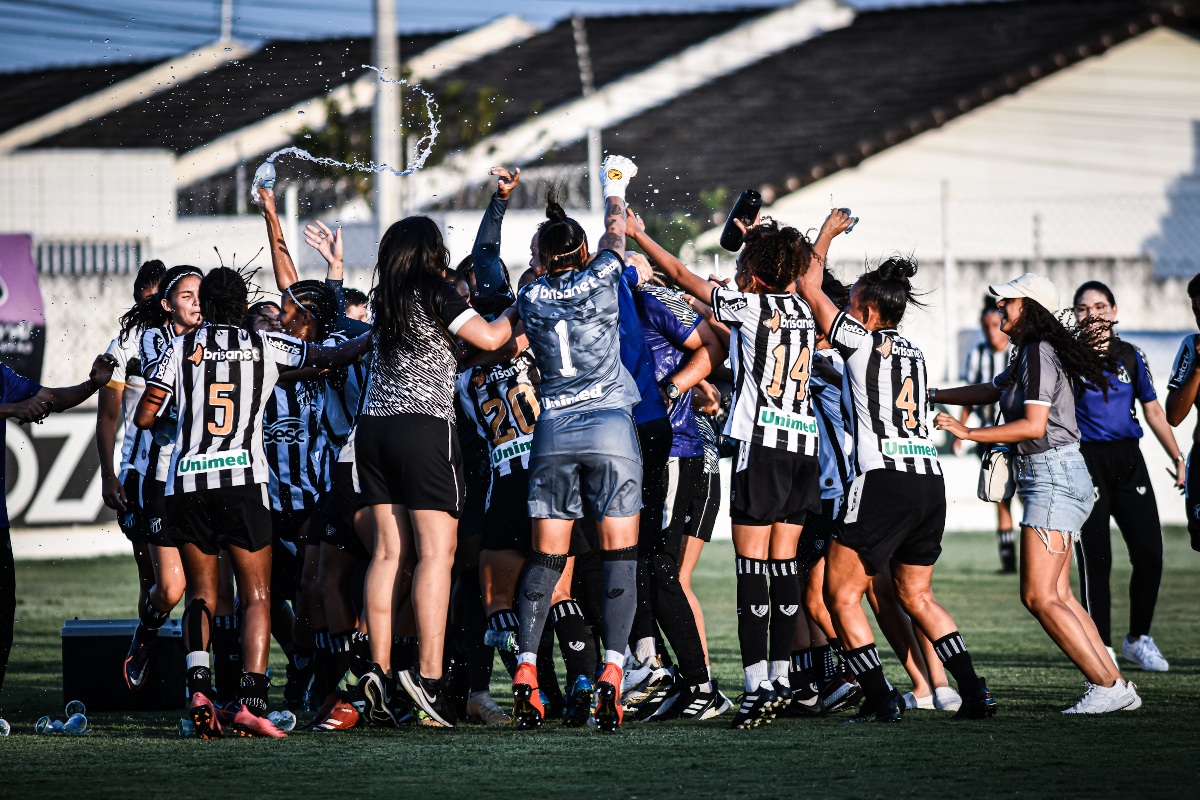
x=771 y=485
x=132 y=521
x=705 y=506
x=895 y=516
x=217 y=519
x=1192 y=497
x=290 y=526
x=341 y=504
x=686 y=481
x=471 y=523
x=820 y=530
x=411 y=460
x=161 y=528
x=506 y=523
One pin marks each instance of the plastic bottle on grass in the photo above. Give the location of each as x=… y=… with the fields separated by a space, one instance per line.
x=5 y=728
x=76 y=724
x=186 y=728
x=75 y=707
x=284 y=720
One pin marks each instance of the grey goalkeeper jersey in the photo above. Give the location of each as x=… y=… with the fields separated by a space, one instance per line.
x=572 y=322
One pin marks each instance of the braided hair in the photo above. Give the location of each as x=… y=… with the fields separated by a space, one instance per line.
x=223 y=296
x=149 y=313
x=888 y=289
x=561 y=240
x=776 y=256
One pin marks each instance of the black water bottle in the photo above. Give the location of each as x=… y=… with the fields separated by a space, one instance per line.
x=746 y=209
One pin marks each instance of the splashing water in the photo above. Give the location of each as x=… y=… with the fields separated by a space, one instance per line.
x=424 y=144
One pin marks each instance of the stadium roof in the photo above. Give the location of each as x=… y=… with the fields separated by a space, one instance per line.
x=837 y=99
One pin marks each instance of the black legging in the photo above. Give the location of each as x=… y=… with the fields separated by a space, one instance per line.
x=1123 y=492
x=8 y=600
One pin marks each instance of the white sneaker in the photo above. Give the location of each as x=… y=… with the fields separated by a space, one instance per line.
x=1137 y=700
x=911 y=701
x=1143 y=652
x=481 y=706
x=946 y=699
x=636 y=674
x=1103 y=699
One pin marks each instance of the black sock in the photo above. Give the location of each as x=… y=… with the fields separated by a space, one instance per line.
x=320 y=662
x=505 y=620
x=824 y=662
x=620 y=595
x=534 y=597
x=547 y=676
x=405 y=653
x=227 y=655
x=952 y=650
x=803 y=663
x=252 y=692
x=360 y=653
x=199 y=679
x=753 y=608
x=864 y=662
x=575 y=640
x=151 y=618
x=785 y=603
x=339 y=659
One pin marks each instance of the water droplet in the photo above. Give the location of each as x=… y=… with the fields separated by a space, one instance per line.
x=299 y=112
x=308 y=136
x=228 y=49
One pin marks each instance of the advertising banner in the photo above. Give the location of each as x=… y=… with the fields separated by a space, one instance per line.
x=22 y=313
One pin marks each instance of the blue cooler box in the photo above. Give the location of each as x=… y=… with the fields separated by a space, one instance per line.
x=93 y=658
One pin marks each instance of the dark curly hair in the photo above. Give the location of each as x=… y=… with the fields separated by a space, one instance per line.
x=149 y=274
x=561 y=240
x=149 y=313
x=837 y=292
x=317 y=299
x=1086 y=349
x=888 y=289
x=776 y=256
x=412 y=262
x=223 y=297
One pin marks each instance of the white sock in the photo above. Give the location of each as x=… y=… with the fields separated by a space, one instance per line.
x=614 y=657
x=756 y=674
x=199 y=658
x=780 y=670
x=645 y=649
x=704 y=687
x=527 y=658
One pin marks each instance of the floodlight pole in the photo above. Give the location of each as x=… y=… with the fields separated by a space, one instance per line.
x=949 y=286
x=226 y=20
x=584 y=56
x=387 y=135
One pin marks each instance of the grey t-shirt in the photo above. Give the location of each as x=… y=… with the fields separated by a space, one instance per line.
x=1036 y=377
x=571 y=319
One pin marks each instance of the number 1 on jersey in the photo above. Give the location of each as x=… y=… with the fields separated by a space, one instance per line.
x=564 y=349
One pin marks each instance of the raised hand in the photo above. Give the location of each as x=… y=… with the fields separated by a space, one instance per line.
x=633 y=223
x=641 y=264
x=102 y=370
x=328 y=243
x=837 y=222
x=266 y=202
x=615 y=173
x=505 y=181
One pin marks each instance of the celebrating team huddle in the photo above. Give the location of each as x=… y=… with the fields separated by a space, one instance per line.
x=480 y=470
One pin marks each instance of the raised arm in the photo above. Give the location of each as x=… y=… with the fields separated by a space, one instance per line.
x=615 y=173
x=337 y=356
x=824 y=310
x=672 y=267
x=485 y=254
x=281 y=259
x=489 y=335
x=979 y=394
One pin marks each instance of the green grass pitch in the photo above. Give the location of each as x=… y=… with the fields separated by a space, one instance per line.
x=1028 y=750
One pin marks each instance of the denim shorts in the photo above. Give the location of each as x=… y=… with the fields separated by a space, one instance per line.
x=1056 y=492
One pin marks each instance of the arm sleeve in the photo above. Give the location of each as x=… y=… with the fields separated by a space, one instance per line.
x=151 y=350
x=729 y=306
x=661 y=319
x=456 y=311
x=284 y=350
x=1039 y=374
x=1144 y=381
x=165 y=368
x=1183 y=362
x=354 y=327
x=485 y=254
x=14 y=387
x=848 y=335
x=608 y=268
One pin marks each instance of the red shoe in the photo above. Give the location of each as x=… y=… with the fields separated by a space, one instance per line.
x=204 y=717
x=609 y=713
x=327 y=705
x=247 y=723
x=528 y=709
x=341 y=716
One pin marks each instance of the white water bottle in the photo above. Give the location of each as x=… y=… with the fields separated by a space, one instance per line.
x=284 y=720
x=264 y=176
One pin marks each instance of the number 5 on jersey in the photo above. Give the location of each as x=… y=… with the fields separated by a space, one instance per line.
x=220 y=404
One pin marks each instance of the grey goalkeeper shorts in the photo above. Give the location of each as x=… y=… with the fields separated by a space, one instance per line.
x=587 y=462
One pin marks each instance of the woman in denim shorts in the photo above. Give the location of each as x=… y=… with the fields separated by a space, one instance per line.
x=1036 y=395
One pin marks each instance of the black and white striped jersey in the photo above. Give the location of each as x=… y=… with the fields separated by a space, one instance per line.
x=887 y=386
x=344 y=396
x=771 y=345
x=295 y=445
x=128 y=379
x=712 y=445
x=836 y=451
x=502 y=402
x=983 y=364
x=153 y=447
x=221 y=377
